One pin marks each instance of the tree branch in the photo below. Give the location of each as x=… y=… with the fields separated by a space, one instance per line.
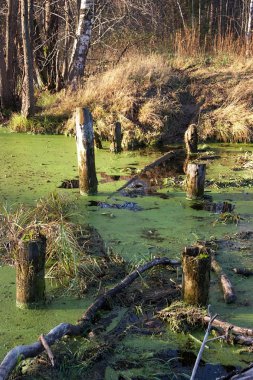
x=32 y=350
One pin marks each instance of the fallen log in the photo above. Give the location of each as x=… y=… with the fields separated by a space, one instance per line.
x=243 y=271
x=166 y=157
x=225 y=326
x=245 y=374
x=227 y=287
x=83 y=325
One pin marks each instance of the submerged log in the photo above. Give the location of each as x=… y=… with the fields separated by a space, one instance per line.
x=30 y=272
x=195 y=181
x=245 y=374
x=227 y=287
x=243 y=271
x=191 y=139
x=225 y=326
x=85 y=152
x=196 y=275
x=163 y=159
x=116 y=138
x=32 y=350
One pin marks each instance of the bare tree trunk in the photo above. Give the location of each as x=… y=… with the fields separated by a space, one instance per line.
x=66 y=41
x=28 y=102
x=4 y=91
x=82 y=42
x=248 y=34
x=11 y=60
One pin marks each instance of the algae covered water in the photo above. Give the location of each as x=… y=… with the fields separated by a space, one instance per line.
x=34 y=166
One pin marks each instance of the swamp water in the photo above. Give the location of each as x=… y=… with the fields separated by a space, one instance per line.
x=34 y=166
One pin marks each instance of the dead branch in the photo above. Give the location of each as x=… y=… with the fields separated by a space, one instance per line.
x=245 y=374
x=243 y=271
x=205 y=340
x=224 y=326
x=227 y=287
x=83 y=325
x=47 y=348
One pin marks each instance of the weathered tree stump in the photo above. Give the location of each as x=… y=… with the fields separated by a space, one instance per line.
x=196 y=266
x=30 y=272
x=97 y=139
x=191 y=139
x=116 y=138
x=85 y=152
x=195 y=180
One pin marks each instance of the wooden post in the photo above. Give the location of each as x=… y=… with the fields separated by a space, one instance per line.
x=97 y=140
x=85 y=152
x=30 y=272
x=191 y=139
x=195 y=181
x=196 y=275
x=116 y=138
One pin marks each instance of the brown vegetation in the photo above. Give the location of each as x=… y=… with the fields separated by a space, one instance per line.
x=142 y=92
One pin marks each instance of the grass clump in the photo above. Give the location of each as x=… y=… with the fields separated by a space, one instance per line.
x=38 y=124
x=182 y=317
x=75 y=253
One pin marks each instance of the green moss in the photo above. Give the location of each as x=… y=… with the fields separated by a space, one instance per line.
x=34 y=166
x=24 y=326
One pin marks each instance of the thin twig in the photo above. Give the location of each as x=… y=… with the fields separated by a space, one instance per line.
x=203 y=343
x=47 y=349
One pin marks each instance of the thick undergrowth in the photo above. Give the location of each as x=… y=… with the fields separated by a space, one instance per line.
x=155 y=98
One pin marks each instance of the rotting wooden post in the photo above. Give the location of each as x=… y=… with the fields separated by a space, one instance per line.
x=195 y=180
x=97 y=140
x=116 y=138
x=196 y=265
x=191 y=139
x=30 y=272
x=85 y=152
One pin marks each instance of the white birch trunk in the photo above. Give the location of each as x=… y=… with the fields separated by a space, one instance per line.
x=248 y=34
x=82 y=41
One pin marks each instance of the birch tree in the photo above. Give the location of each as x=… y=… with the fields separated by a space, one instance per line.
x=82 y=41
x=248 y=34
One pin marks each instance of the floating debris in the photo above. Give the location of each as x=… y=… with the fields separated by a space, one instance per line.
x=216 y=208
x=69 y=184
x=132 y=206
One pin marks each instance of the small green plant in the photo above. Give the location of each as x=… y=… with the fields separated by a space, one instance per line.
x=228 y=218
x=41 y=124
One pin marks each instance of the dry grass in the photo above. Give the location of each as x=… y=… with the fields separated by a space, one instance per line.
x=226 y=94
x=142 y=93
x=75 y=255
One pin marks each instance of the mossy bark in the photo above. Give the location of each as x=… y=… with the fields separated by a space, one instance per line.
x=85 y=152
x=30 y=273
x=195 y=180
x=196 y=275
